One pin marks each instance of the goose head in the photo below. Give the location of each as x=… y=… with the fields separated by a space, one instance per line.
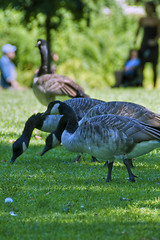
x=41 y=44
x=55 y=108
x=22 y=143
x=19 y=147
x=52 y=141
x=68 y=121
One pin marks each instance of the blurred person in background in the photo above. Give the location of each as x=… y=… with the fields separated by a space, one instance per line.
x=8 y=69
x=151 y=32
x=131 y=74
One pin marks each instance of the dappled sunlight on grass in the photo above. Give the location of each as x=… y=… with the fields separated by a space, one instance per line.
x=53 y=194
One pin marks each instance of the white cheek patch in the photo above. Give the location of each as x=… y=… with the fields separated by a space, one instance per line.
x=24 y=147
x=55 y=109
x=55 y=141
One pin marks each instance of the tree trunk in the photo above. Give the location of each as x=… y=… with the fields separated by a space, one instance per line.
x=48 y=37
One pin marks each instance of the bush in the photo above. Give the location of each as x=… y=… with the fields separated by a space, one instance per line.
x=87 y=54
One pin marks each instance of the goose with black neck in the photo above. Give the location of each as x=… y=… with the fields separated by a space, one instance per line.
x=46 y=85
x=108 y=137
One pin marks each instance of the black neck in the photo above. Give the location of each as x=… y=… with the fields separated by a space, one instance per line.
x=35 y=121
x=44 y=60
x=68 y=122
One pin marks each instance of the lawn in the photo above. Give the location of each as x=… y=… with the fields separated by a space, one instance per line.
x=55 y=198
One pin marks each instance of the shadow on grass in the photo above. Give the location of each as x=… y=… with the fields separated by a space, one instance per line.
x=55 y=194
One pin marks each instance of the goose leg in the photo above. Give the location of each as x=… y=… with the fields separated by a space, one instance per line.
x=93 y=159
x=106 y=164
x=110 y=165
x=77 y=159
x=131 y=163
x=131 y=175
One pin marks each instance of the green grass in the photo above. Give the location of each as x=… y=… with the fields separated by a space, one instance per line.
x=55 y=198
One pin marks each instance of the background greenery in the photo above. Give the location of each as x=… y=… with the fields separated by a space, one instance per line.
x=55 y=198
x=89 y=55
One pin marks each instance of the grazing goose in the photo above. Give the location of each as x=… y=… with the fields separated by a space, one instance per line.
x=120 y=108
x=48 y=123
x=47 y=86
x=106 y=137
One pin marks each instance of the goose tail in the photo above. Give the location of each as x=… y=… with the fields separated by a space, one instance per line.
x=82 y=94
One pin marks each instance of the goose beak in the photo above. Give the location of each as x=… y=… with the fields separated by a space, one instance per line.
x=38 y=43
x=46 y=149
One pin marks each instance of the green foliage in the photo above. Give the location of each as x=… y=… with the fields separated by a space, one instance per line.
x=99 y=49
x=89 y=55
x=55 y=198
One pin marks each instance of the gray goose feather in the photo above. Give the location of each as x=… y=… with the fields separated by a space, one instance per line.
x=127 y=109
x=47 y=86
x=107 y=137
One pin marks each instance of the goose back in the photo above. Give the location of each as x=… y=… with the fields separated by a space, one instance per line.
x=80 y=105
x=127 y=109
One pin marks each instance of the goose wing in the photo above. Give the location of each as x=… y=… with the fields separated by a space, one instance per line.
x=126 y=109
x=82 y=105
x=60 y=85
x=129 y=127
x=69 y=87
x=118 y=134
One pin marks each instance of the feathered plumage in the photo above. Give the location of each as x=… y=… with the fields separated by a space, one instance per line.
x=106 y=137
x=47 y=86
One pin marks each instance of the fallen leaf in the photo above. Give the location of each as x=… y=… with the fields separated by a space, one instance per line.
x=48 y=193
x=38 y=137
x=35 y=111
x=13 y=214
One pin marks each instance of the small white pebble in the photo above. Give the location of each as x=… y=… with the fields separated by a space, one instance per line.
x=13 y=214
x=8 y=200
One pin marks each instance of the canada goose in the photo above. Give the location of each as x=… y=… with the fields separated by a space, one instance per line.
x=47 y=86
x=48 y=123
x=106 y=137
x=120 y=108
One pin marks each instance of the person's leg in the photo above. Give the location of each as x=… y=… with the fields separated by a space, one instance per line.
x=142 y=69
x=118 y=78
x=154 y=74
